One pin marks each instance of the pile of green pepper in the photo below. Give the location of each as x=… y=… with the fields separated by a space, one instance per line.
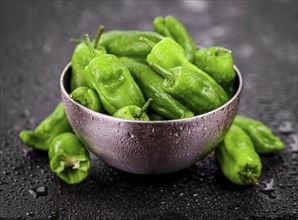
x=119 y=70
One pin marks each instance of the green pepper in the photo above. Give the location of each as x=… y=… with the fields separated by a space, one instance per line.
x=171 y=27
x=230 y=87
x=168 y=54
x=261 y=135
x=68 y=158
x=193 y=90
x=159 y=26
x=57 y=121
x=150 y=83
x=88 y=98
x=155 y=117
x=126 y=43
x=217 y=62
x=81 y=58
x=133 y=112
x=112 y=81
x=237 y=158
x=54 y=124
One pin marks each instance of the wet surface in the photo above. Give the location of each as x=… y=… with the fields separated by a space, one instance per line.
x=35 y=48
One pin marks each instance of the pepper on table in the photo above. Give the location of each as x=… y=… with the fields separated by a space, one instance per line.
x=57 y=122
x=112 y=81
x=262 y=137
x=69 y=160
x=54 y=124
x=173 y=28
x=238 y=159
x=151 y=84
x=81 y=58
x=133 y=112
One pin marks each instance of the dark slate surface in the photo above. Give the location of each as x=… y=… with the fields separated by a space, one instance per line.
x=34 y=49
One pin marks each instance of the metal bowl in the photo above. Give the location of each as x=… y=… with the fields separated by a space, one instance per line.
x=149 y=147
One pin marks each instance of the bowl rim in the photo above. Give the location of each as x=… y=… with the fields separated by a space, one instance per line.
x=170 y=121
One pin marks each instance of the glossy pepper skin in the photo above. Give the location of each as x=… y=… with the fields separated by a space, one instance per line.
x=155 y=117
x=230 y=87
x=262 y=137
x=237 y=158
x=88 y=98
x=113 y=82
x=193 y=90
x=133 y=112
x=126 y=43
x=168 y=54
x=172 y=27
x=81 y=58
x=68 y=158
x=217 y=62
x=151 y=84
x=54 y=124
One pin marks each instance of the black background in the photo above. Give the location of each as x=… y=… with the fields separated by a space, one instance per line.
x=35 y=47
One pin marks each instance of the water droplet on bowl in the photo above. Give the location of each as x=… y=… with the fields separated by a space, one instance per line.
x=130 y=135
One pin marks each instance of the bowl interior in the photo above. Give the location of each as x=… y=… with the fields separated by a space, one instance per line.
x=65 y=90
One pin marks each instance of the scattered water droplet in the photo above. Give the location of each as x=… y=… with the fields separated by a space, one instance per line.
x=39 y=191
x=269 y=190
x=30 y=214
x=286 y=127
x=294 y=143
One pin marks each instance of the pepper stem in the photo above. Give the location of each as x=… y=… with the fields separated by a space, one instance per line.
x=150 y=43
x=253 y=180
x=75 y=40
x=248 y=174
x=143 y=109
x=98 y=34
x=166 y=74
x=90 y=47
